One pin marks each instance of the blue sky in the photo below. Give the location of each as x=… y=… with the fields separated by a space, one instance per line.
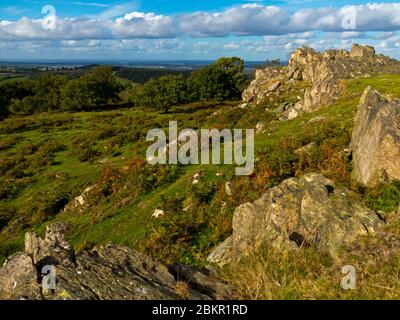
x=197 y=29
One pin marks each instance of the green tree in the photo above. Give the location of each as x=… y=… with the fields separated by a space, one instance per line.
x=161 y=93
x=11 y=91
x=223 y=80
x=98 y=87
x=44 y=96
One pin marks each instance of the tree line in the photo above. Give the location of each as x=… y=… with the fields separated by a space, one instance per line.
x=223 y=80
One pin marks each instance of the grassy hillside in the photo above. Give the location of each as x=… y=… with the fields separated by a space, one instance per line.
x=47 y=160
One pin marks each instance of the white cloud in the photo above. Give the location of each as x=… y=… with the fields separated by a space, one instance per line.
x=232 y=46
x=134 y=25
x=248 y=19
x=144 y=25
x=257 y=19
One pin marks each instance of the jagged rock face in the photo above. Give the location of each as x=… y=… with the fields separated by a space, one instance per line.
x=307 y=211
x=322 y=71
x=358 y=51
x=106 y=272
x=54 y=249
x=265 y=82
x=375 y=140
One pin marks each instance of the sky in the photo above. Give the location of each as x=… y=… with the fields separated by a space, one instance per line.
x=254 y=30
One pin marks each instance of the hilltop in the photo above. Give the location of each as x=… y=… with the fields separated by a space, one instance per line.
x=325 y=191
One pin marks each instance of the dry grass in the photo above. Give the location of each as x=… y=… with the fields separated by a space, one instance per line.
x=305 y=274
x=182 y=289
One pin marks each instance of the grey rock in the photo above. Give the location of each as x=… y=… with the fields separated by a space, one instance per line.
x=222 y=254
x=274 y=86
x=307 y=149
x=375 y=142
x=106 y=272
x=306 y=211
x=53 y=249
x=201 y=281
x=322 y=72
x=18 y=279
x=316 y=120
x=358 y=51
x=260 y=127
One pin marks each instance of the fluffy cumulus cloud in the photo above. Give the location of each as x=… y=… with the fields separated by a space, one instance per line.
x=134 y=25
x=244 y=20
x=144 y=25
x=256 y=19
x=199 y=34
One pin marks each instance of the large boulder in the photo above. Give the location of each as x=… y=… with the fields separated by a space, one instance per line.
x=306 y=211
x=375 y=140
x=106 y=272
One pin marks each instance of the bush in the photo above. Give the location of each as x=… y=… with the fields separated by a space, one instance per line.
x=203 y=192
x=83 y=148
x=49 y=203
x=7 y=212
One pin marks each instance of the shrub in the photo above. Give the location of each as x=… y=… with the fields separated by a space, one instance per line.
x=203 y=192
x=7 y=212
x=83 y=148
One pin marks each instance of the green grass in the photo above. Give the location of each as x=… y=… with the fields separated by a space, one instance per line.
x=124 y=214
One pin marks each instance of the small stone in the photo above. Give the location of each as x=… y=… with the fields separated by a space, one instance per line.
x=228 y=188
x=158 y=213
x=316 y=120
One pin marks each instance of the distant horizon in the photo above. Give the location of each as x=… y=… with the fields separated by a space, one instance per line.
x=138 y=64
x=254 y=30
x=118 y=60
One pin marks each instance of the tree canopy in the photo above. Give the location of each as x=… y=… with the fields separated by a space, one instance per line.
x=97 y=88
x=223 y=80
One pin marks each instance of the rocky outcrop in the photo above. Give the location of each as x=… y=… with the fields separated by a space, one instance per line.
x=53 y=249
x=265 y=82
x=375 y=140
x=306 y=211
x=362 y=52
x=105 y=272
x=322 y=72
